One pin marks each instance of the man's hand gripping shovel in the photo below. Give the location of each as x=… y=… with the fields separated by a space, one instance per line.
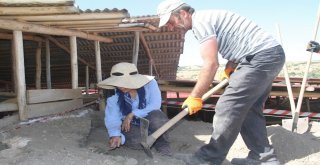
x=148 y=140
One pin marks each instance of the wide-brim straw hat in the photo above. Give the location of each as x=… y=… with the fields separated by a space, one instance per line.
x=125 y=75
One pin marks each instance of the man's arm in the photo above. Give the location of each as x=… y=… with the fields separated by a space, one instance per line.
x=209 y=54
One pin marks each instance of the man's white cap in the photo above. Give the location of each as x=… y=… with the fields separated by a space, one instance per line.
x=165 y=9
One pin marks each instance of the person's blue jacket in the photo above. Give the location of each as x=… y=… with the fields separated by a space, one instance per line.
x=113 y=116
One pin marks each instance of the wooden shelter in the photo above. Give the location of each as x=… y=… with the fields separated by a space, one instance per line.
x=50 y=50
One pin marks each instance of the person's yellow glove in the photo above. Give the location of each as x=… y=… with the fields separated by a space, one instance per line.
x=193 y=104
x=226 y=73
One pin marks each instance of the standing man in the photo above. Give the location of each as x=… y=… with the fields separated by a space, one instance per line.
x=259 y=58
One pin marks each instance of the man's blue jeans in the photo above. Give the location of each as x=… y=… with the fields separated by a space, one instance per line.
x=239 y=109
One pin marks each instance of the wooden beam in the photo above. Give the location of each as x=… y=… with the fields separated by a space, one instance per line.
x=50 y=95
x=68 y=51
x=8 y=94
x=74 y=62
x=9 y=105
x=63 y=23
x=71 y=17
x=8 y=36
x=49 y=108
x=116 y=29
x=14 y=11
x=40 y=29
x=88 y=27
x=20 y=74
x=147 y=50
x=170 y=33
x=36 y=2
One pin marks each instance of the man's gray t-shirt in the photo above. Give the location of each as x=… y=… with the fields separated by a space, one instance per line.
x=237 y=36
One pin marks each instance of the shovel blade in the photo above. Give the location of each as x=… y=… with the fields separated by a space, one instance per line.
x=144 y=130
x=302 y=125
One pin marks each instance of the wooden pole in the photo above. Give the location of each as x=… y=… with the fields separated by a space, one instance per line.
x=148 y=52
x=62 y=46
x=38 y=66
x=48 y=65
x=14 y=69
x=99 y=75
x=135 y=48
x=87 y=80
x=98 y=60
x=74 y=61
x=151 y=66
x=20 y=74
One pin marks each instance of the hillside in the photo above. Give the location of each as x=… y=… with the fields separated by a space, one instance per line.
x=295 y=69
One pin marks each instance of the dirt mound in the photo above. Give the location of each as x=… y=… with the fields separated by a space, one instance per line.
x=81 y=138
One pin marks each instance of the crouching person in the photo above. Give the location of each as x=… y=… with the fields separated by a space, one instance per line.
x=136 y=96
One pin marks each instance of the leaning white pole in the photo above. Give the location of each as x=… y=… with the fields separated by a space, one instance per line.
x=304 y=80
x=287 y=78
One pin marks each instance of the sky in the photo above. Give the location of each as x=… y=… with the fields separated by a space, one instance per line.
x=295 y=19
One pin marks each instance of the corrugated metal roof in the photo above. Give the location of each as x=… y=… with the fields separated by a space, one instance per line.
x=163 y=45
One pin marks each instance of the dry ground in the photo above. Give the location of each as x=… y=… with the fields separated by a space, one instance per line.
x=80 y=138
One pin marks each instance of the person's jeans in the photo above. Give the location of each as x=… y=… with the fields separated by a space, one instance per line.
x=156 y=119
x=239 y=109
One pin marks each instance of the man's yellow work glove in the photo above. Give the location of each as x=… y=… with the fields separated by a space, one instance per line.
x=193 y=104
x=226 y=73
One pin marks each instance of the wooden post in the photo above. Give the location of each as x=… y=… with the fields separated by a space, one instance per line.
x=48 y=65
x=102 y=99
x=135 y=48
x=14 y=69
x=165 y=99
x=87 y=79
x=38 y=66
x=150 y=67
x=20 y=74
x=74 y=61
x=98 y=60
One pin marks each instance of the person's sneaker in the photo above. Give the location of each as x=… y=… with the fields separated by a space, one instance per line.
x=164 y=150
x=191 y=159
x=249 y=161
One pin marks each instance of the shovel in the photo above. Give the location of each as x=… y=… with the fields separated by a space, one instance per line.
x=296 y=124
x=147 y=141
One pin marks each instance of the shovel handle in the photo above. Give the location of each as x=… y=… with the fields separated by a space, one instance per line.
x=184 y=112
